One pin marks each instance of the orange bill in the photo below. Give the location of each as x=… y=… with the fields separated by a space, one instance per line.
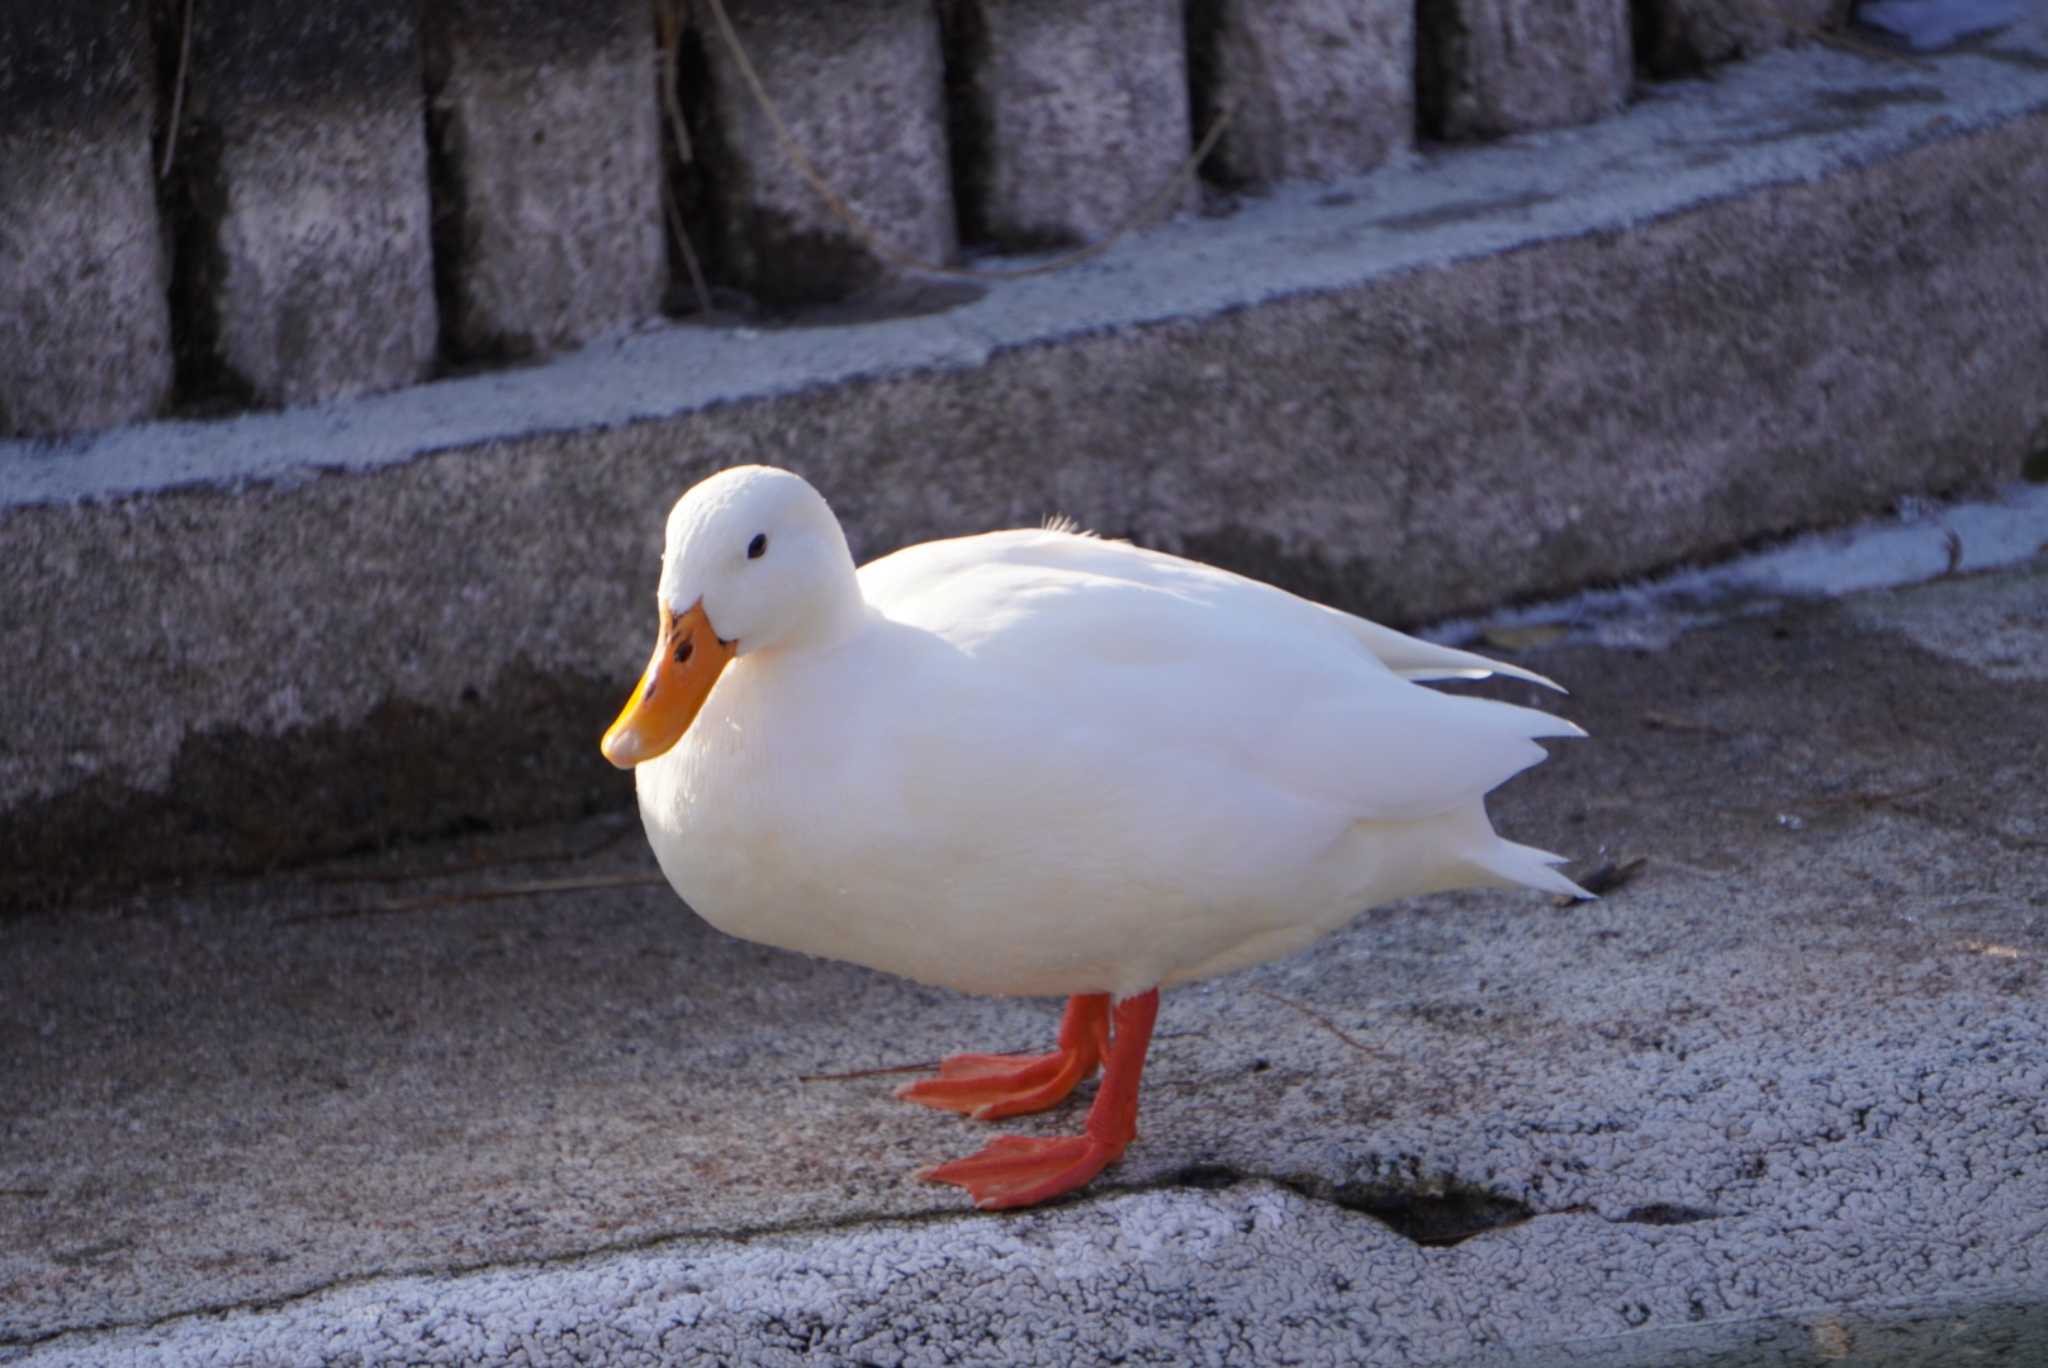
x=688 y=658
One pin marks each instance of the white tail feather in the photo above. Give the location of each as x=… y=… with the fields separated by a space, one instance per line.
x=1524 y=866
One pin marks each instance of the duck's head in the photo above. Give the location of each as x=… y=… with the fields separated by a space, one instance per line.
x=755 y=561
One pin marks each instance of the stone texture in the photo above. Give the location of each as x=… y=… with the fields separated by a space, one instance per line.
x=1069 y=115
x=1317 y=89
x=84 y=285
x=304 y=267
x=860 y=85
x=1787 y=1080
x=1492 y=67
x=547 y=171
x=1674 y=37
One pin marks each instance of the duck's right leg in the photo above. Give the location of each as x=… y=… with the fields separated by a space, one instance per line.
x=1020 y=1170
x=988 y=1086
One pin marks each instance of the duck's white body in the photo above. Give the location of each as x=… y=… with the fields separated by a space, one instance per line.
x=1034 y=762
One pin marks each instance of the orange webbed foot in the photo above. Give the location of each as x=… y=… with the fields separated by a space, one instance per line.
x=1018 y=1171
x=988 y=1087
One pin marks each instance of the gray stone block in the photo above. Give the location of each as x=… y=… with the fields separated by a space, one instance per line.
x=305 y=268
x=1492 y=67
x=1069 y=115
x=546 y=148
x=860 y=85
x=1677 y=36
x=84 y=308
x=1316 y=89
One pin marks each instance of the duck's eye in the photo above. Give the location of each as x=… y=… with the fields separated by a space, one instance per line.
x=758 y=547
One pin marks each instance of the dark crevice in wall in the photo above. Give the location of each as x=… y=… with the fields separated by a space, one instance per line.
x=964 y=34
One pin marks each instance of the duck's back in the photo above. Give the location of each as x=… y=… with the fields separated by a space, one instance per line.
x=1173 y=654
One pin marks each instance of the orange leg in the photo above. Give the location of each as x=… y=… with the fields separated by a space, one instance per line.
x=987 y=1086
x=1017 y=1171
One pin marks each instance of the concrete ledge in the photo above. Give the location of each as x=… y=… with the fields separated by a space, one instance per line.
x=1777 y=301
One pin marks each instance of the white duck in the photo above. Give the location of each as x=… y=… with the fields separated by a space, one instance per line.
x=1037 y=762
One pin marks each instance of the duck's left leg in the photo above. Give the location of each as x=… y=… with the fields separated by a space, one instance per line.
x=988 y=1087
x=1016 y=1170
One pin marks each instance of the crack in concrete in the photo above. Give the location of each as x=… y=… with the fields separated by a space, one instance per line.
x=1439 y=1212
x=261 y=1305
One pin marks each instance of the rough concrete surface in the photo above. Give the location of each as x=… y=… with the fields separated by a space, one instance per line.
x=1070 y=115
x=1314 y=91
x=1492 y=67
x=84 y=314
x=1781 y=1091
x=548 y=171
x=860 y=86
x=305 y=267
x=1743 y=308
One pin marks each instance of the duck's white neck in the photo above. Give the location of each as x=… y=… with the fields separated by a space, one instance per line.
x=834 y=613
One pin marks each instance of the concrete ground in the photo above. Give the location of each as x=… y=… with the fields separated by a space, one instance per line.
x=1781 y=1096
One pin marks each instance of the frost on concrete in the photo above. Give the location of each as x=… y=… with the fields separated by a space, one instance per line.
x=1783 y=1086
x=1251 y=1273
x=1924 y=541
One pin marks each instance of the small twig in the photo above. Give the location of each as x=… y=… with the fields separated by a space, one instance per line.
x=668 y=23
x=177 y=94
x=923 y=1066
x=669 y=28
x=926 y=1066
x=1849 y=42
x=483 y=862
x=1697 y=871
x=1313 y=1015
x=1870 y=797
x=1661 y=721
x=889 y=255
x=538 y=888
x=690 y=263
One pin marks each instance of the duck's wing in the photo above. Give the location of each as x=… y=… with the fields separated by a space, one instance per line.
x=1189 y=669
x=1059 y=548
